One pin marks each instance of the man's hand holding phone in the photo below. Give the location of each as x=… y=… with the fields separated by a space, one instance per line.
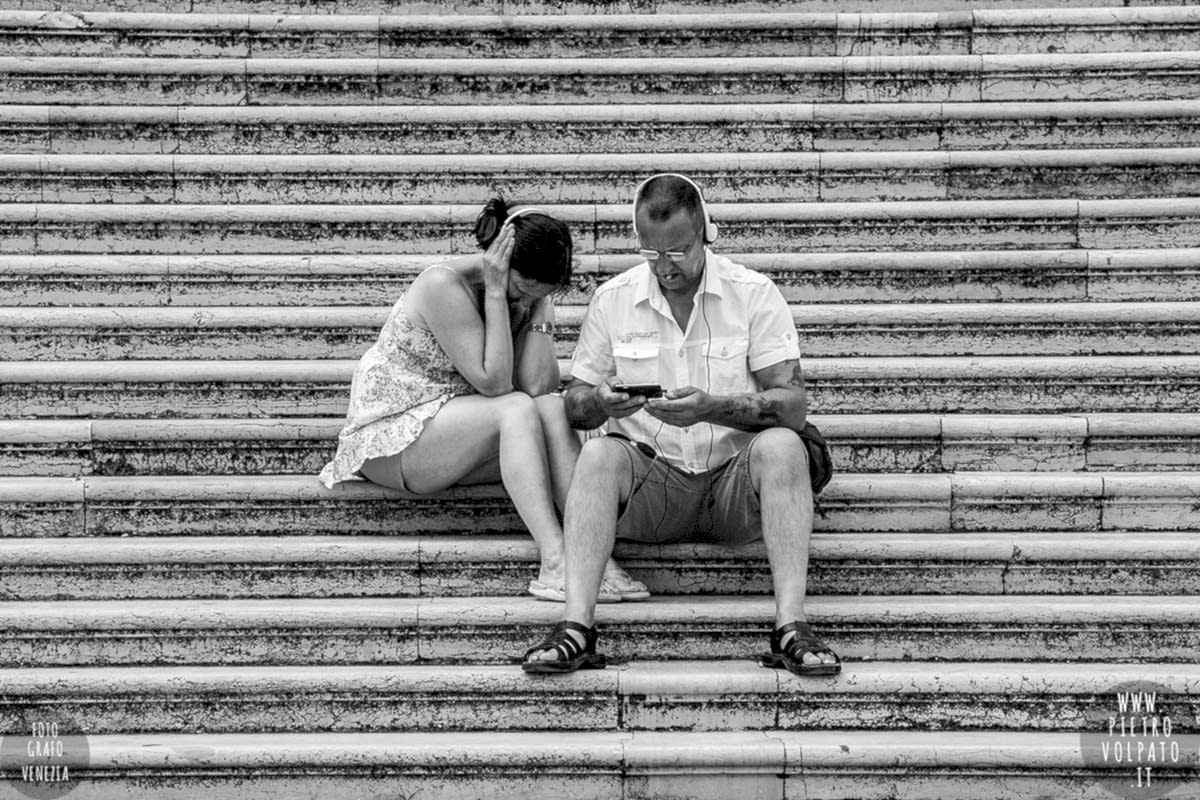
x=619 y=404
x=681 y=407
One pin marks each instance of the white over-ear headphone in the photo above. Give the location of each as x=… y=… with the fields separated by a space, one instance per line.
x=522 y=212
x=710 y=228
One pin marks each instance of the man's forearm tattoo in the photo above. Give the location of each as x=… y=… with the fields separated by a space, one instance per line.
x=752 y=412
x=797 y=378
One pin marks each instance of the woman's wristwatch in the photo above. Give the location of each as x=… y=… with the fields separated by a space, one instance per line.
x=542 y=327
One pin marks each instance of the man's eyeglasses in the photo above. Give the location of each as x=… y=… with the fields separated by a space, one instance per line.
x=652 y=255
x=675 y=256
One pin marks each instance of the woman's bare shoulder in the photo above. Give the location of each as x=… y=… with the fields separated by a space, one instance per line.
x=435 y=289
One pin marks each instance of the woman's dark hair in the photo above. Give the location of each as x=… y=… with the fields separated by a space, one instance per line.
x=542 y=250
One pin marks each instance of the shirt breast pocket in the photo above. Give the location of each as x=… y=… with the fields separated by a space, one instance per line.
x=729 y=366
x=636 y=363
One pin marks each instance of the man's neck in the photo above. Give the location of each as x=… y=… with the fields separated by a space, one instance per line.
x=683 y=301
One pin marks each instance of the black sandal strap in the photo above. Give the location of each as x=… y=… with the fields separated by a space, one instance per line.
x=804 y=638
x=566 y=646
x=800 y=628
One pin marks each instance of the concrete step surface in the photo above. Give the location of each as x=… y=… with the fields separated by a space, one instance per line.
x=274 y=504
x=344 y=332
x=466 y=565
x=58 y=228
x=318 y=388
x=884 y=443
x=319 y=279
x=296 y=631
x=776 y=765
x=597 y=128
x=543 y=7
x=600 y=178
x=987 y=31
x=1159 y=75
x=917 y=697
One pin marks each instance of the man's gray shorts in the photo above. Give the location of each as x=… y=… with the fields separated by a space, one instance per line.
x=668 y=505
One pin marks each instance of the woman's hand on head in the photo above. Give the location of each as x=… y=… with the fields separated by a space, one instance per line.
x=496 y=260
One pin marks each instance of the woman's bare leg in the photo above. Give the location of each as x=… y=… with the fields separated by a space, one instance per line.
x=562 y=445
x=476 y=439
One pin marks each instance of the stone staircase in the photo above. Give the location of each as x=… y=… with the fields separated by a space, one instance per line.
x=986 y=218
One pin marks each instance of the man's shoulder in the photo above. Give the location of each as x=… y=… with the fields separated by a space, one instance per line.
x=624 y=281
x=740 y=274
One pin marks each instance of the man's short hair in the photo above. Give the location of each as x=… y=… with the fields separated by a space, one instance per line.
x=663 y=196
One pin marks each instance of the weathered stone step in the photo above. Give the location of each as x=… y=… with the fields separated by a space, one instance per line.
x=1124 y=629
x=274 y=388
x=828 y=765
x=709 y=127
x=987 y=329
x=266 y=504
x=892 y=329
x=192 y=35
x=1163 y=75
x=1016 y=385
x=47 y=228
x=225 y=567
x=643 y=695
x=641 y=128
x=911 y=443
x=317 y=279
x=510 y=10
x=599 y=178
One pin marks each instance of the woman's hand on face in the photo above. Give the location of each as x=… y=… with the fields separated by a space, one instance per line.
x=495 y=263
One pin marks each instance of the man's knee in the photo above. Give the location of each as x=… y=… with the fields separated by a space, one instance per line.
x=777 y=453
x=603 y=473
x=601 y=458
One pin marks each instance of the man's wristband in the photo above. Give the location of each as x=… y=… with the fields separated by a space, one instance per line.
x=542 y=327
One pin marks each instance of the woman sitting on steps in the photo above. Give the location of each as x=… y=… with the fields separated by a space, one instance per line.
x=457 y=389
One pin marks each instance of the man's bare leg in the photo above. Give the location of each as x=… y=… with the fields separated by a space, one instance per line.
x=603 y=481
x=777 y=457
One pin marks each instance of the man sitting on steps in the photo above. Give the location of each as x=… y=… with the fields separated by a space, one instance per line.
x=724 y=456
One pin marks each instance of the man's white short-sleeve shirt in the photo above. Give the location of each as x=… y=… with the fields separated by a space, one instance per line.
x=739 y=324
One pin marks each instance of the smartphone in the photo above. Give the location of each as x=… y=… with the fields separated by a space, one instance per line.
x=643 y=389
